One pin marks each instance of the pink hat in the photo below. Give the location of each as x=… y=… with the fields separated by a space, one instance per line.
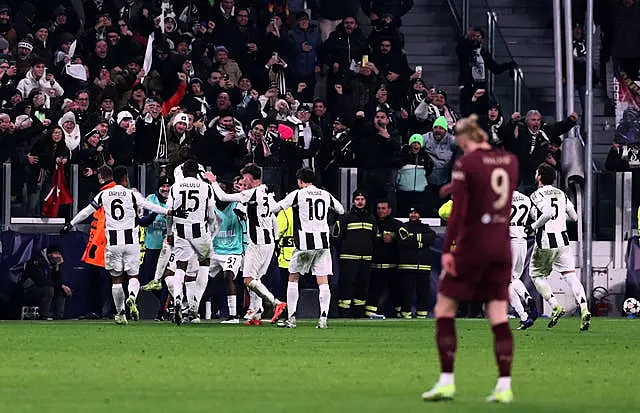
x=286 y=133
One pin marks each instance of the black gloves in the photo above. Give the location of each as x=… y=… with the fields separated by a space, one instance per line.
x=178 y=213
x=529 y=230
x=241 y=215
x=66 y=229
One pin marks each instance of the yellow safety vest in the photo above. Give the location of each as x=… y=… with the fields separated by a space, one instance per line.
x=285 y=235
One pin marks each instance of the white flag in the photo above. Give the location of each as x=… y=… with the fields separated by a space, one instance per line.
x=148 y=56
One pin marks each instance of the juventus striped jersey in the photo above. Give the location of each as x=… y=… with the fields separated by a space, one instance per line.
x=520 y=210
x=196 y=197
x=310 y=210
x=120 y=209
x=261 y=221
x=552 y=207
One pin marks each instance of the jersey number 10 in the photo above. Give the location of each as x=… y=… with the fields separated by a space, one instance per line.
x=317 y=209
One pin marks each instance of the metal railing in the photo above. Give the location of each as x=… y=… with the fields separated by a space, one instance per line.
x=511 y=91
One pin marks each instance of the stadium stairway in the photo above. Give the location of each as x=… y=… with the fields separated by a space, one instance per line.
x=526 y=26
x=430 y=41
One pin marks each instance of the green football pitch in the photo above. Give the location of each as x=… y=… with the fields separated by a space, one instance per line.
x=354 y=366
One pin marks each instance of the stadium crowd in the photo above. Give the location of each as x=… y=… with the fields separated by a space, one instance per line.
x=128 y=83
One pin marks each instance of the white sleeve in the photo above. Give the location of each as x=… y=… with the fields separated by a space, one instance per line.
x=571 y=210
x=336 y=205
x=243 y=196
x=84 y=214
x=546 y=212
x=285 y=203
x=149 y=205
x=93 y=206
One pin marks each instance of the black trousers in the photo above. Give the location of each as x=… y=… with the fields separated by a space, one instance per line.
x=384 y=279
x=44 y=297
x=354 y=286
x=417 y=281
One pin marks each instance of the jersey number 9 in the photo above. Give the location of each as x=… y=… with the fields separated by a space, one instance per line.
x=500 y=185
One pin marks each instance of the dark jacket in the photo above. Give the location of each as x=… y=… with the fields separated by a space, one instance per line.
x=396 y=8
x=341 y=48
x=374 y=151
x=122 y=146
x=356 y=231
x=414 y=242
x=385 y=254
x=39 y=272
x=338 y=9
x=304 y=63
x=466 y=58
x=530 y=156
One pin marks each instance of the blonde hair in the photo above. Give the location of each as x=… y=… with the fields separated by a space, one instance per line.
x=469 y=126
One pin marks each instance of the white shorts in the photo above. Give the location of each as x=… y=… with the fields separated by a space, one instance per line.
x=225 y=263
x=545 y=261
x=257 y=259
x=518 y=257
x=122 y=258
x=192 y=266
x=184 y=249
x=316 y=262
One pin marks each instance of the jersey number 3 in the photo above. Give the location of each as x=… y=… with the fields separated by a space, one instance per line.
x=500 y=185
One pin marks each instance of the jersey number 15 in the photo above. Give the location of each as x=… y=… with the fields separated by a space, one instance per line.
x=191 y=196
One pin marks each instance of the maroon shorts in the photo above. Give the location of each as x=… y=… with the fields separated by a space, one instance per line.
x=478 y=281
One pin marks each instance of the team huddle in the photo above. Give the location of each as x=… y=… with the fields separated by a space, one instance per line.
x=205 y=235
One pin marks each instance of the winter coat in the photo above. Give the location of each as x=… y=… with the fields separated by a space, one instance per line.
x=412 y=176
x=304 y=63
x=441 y=153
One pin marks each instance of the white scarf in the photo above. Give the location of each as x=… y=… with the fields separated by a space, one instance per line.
x=72 y=140
x=534 y=138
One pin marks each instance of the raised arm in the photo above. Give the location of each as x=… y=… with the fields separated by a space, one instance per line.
x=285 y=203
x=84 y=214
x=150 y=206
x=336 y=205
x=225 y=197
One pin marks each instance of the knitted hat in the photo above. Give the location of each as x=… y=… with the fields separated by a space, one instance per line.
x=442 y=122
x=415 y=208
x=416 y=138
x=358 y=193
x=124 y=115
x=26 y=43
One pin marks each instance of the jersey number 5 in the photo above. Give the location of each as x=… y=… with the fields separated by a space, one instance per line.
x=500 y=185
x=554 y=204
x=191 y=196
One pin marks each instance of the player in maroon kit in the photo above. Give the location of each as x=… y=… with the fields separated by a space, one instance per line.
x=479 y=268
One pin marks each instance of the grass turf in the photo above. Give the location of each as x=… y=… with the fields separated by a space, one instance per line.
x=354 y=366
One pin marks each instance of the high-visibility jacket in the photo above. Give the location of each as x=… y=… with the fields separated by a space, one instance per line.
x=285 y=237
x=94 y=252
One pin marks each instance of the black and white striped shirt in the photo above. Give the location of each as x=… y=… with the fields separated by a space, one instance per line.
x=552 y=209
x=311 y=207
x=120 y=206
x=261 y=220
